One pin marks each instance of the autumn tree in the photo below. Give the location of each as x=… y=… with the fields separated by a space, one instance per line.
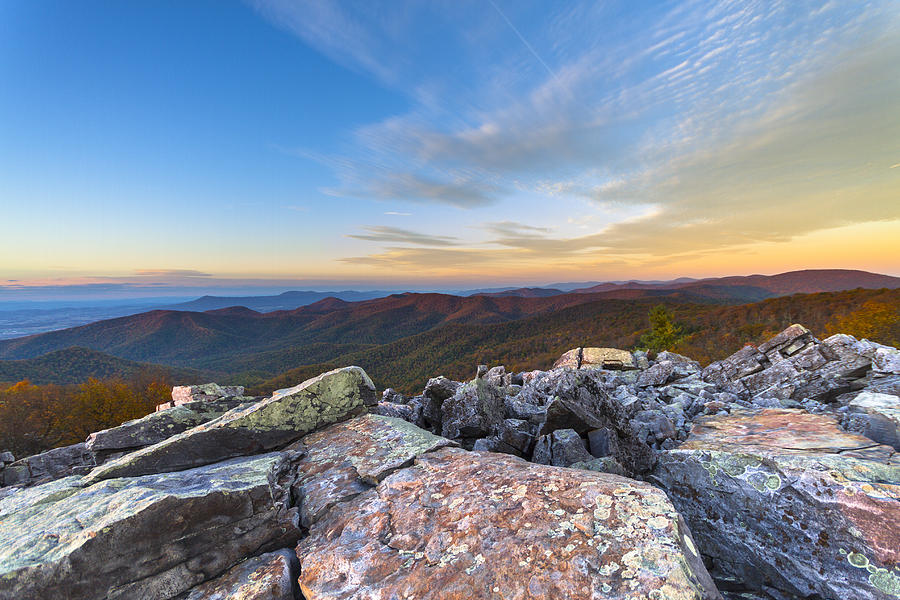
x=875 y=321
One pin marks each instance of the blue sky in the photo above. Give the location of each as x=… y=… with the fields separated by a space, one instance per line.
x=280 y=143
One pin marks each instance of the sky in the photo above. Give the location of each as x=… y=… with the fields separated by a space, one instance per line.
x=156 y=146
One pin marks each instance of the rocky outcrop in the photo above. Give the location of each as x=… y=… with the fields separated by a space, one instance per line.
x=461 y=525
x=200 y=500
x=265 y=425
x=785 y=499
x=153 y=536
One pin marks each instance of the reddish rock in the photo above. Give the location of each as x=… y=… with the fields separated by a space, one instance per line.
x=349 y=458
x=786 y=499
x=463 y=526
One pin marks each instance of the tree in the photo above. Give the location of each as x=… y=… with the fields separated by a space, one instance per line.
x=664 y=332
x=875 y=321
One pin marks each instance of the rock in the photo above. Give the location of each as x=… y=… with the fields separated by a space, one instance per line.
x=437 y=390
x=286 y=416
x=461 y=525
x=785 y=499
x=886 y=360
x=399 y=411
x=392 y=395
x=658 y=374
x=605 y=464
x=883 y=410
x=7 y=457
x=349 y=458
x=182 y=394
x=788 y=342
x=47 y=466
x=473 y=411
x=602 y=442
x=561 y=448
x=746 y=361
x=153 y=536
x=580 y=402
x=570 y=359
x=270 y=576
x=158 y=426
x=660 y=427
x=517 y=434
x=596 y=358
x=496 y=376
x=606 y=358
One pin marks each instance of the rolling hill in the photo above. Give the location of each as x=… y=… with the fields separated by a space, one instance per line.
x=76 y=364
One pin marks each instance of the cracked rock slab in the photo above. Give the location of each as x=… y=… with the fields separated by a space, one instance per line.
x=270 y=576
x=268 y=424
x=786 y=499
x=467 y=525
x=349 y=458
x=150 y=537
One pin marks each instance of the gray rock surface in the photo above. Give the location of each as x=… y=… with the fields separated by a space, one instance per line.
x=145 y=537
x=271 y=423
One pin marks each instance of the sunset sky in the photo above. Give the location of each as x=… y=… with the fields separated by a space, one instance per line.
x=284 y=144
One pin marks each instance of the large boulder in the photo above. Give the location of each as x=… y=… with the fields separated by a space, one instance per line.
x=269 y=576
x=464 y=526
x=348 y=458
x=786 y=499
x=150 y=537
x=268 y=424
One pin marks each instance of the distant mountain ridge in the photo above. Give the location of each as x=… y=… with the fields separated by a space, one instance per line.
x=227 y=338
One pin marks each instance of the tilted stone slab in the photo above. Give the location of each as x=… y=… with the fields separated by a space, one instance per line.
x=349 y=458
x=270 y=576
x=159 y=426
x=150 y=537
x=271 y=423
x=786 y=499
x=467 y=525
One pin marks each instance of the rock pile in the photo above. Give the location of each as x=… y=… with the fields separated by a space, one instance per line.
x=770 y=475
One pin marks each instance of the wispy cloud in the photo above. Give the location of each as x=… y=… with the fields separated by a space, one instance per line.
x=171 y=273
x=726 y=123
x=382 y=233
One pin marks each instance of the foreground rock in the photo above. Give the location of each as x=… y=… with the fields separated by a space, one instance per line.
x=268 y=424
x=144 y=537
x=271 y=576
x=461 y=525
x=344 y=460
x=785 y=499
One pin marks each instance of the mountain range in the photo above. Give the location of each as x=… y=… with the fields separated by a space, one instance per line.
x=434 y=330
